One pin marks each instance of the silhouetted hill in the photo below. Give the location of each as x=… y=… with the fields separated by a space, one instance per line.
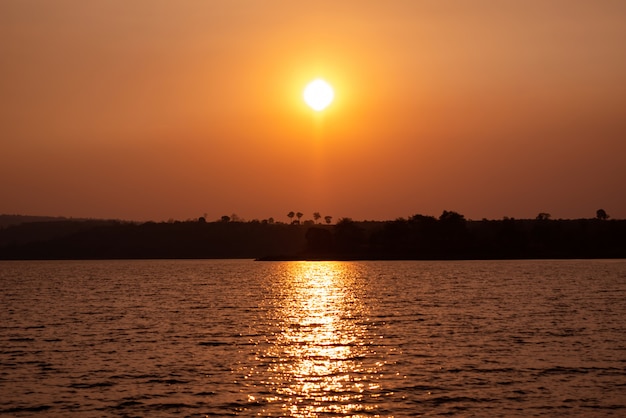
x=45 y=231
x=8 y=220
x=450 y=236
x=117 y=240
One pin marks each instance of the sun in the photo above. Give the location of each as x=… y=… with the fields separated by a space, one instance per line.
x=318 y=94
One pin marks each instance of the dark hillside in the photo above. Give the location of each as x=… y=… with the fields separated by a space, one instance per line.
x=9 y=220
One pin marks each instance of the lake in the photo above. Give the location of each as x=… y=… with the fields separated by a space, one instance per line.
x=197 y=338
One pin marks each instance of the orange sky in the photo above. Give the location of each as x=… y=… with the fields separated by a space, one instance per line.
x=151 y=110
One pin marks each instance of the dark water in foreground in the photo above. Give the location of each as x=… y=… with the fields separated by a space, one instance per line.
x=307 y=339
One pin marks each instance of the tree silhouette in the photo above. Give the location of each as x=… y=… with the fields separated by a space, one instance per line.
x=225 y=218
x=349 y=236
x=602 y=215
x=319 y=240
x=452 y=233
x=316 y=216
x=452 y=217
x=328 y=219
x=299 y=215
x=290 y=215
x=543 y=216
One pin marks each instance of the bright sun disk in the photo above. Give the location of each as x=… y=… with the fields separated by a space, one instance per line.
x=318 y=94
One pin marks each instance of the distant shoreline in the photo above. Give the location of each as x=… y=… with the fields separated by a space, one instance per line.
x=449 y=237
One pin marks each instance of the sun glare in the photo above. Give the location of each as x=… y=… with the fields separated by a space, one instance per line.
x=318 y=94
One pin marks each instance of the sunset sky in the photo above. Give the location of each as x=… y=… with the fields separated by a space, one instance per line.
x=156 y=110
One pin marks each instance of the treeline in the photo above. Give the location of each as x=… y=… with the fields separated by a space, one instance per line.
x=450 y=236
x=126 y=240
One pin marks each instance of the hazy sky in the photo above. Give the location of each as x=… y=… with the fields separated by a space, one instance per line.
x=151 y=110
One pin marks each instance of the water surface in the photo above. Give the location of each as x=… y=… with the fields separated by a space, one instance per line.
x=307 y=339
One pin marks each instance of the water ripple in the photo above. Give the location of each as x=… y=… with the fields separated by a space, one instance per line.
x=232 y=337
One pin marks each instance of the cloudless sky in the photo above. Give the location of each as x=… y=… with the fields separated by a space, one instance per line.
x=155 y=109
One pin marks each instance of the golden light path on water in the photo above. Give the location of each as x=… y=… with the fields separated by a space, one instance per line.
x=322 y=359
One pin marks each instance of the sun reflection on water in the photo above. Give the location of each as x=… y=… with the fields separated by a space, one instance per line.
x=320 y=359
